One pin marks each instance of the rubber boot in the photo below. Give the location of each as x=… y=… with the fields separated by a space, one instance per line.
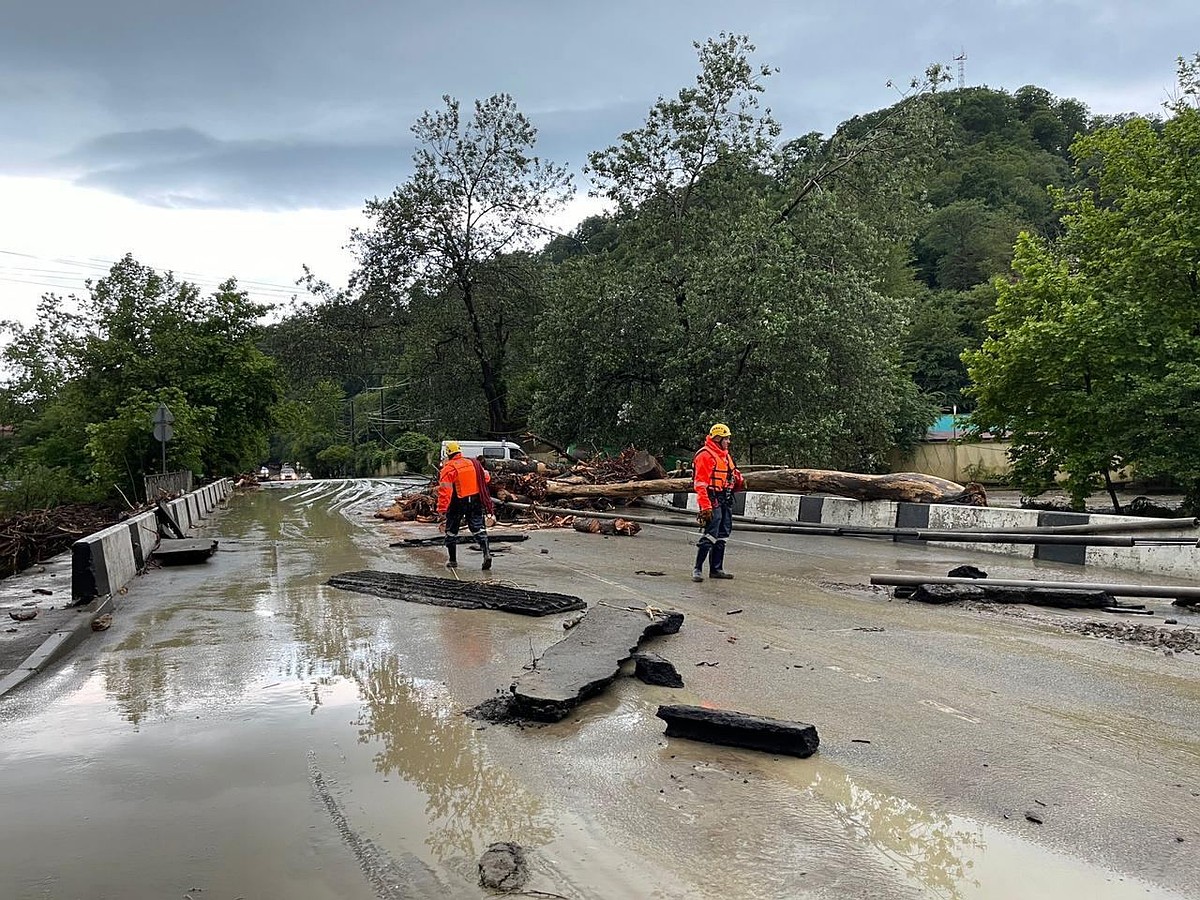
x=717 y=561
x=701 y=555
x=452 y=549
x=487 y=552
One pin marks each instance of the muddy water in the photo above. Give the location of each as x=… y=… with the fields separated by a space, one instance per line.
x=245 y=731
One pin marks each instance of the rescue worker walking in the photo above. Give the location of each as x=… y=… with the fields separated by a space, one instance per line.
x=462 y=493
x=715 y=479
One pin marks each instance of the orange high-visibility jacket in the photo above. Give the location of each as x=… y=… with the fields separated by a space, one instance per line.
x=457 y=479
x=713 y=468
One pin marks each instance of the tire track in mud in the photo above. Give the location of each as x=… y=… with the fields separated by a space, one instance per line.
x=390 y=880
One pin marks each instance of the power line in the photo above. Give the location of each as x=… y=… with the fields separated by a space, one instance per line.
x=94 y=264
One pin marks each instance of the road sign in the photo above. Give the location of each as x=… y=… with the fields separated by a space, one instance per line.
x=163 y=431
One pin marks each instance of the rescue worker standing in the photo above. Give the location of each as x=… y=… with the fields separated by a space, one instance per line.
x=715 y=479
x=462 y=493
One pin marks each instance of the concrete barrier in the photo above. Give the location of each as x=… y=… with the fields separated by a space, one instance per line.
x=104 y=562
x=944 y=517
x=144 y=536
x=868 y=513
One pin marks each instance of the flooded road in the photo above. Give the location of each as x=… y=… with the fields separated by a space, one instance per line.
x=244 y=730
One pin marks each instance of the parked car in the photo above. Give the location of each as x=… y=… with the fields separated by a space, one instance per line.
x=287 y=473
x=487 y=449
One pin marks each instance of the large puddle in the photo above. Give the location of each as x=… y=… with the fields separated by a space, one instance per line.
x=246 y=731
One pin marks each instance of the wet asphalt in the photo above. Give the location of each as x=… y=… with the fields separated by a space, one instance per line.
x=244 y=730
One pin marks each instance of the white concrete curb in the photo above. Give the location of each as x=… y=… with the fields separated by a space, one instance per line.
x=1180 y=561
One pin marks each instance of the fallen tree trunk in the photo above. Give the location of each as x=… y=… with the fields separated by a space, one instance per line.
x=910 y=487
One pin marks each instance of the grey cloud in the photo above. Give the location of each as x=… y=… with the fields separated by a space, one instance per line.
x=257 y=103
x=183 y=168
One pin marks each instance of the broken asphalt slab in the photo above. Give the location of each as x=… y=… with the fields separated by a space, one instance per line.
x=586 y=661
x=184 y=551
x=440 y=540
x=457 y=594
x=735 y=729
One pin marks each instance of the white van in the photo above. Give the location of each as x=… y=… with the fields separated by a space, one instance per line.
x=487 y=449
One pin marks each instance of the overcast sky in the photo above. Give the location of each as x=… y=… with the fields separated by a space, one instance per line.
x=223 y=138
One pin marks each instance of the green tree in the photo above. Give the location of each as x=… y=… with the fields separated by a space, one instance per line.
x=82 y=378
x=477 y=195
x=746 y=282
x=1090 y=361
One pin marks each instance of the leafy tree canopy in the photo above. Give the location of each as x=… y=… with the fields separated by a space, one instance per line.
x=1091 y=356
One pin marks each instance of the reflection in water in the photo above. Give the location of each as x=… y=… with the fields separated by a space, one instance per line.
x=278 y=618
x=139 y=685
x=436 y=750
x=929 y=846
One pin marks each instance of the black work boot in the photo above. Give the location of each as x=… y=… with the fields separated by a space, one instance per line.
x=701 y=555
x=487 y=552
x=452 y=550
x=716 y=563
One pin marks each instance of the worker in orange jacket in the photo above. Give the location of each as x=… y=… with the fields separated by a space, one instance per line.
x=462 y=493
x=715 y=478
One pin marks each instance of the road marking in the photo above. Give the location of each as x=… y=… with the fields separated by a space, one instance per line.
x=951 y=711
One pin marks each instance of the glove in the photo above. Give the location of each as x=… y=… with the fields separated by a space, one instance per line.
x=704 y=517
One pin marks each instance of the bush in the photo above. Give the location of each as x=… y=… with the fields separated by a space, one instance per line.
x=43 y=487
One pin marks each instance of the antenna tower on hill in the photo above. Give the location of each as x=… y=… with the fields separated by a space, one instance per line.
x=961 y=59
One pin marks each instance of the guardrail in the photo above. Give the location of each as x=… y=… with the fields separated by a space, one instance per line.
x=169 y=484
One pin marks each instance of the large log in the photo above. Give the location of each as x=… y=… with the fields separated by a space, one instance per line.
x=911 y=487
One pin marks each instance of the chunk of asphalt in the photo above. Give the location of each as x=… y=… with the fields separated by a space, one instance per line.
x=503 y=867
x=458 y=594
x=184 y=551
x=586 y=661
x=735 y=729
x=651 y=668
x=440 y=540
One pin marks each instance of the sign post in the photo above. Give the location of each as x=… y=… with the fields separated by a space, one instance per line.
x=162 y=430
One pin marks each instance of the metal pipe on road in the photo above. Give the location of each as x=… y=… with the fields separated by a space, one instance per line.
x=1091 y=528
x=677 y=522
x=854 y=530
x=1121 y=590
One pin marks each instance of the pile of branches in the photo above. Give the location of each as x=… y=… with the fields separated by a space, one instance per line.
x=526 y=483
x=631 y=464
x=30 y=537
x=415 y=507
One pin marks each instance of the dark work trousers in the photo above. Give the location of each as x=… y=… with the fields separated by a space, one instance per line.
x=471 y=509
x=713 y=535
